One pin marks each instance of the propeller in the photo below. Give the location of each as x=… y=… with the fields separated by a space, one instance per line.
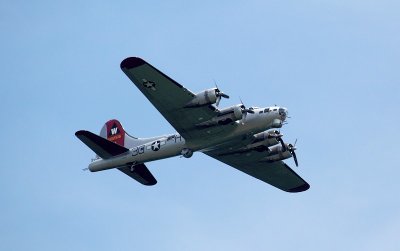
x=219 y=94
x=278 y=136
x=245 y=111
x=291 y=149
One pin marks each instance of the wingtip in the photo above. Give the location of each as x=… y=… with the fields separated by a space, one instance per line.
x=132 y=62
x=80 y=132
x=151 y=183
x=83 y=133
x=301 y=188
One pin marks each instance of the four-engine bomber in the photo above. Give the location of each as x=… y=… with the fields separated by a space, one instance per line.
x=238 y=136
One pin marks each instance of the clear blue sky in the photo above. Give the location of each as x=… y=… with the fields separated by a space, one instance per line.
x=333 y=64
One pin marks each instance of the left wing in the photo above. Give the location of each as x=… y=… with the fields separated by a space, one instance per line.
x=277 y=174
x=169 y=98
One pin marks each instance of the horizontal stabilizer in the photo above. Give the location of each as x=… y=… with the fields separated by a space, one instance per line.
x=107 y=149
x=101 y=146
x=140 y=173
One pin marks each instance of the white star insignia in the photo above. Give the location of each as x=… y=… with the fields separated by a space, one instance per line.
x=149 y=84
x=155 y=146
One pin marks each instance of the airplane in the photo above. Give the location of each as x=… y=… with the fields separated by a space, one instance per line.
x=241 y=137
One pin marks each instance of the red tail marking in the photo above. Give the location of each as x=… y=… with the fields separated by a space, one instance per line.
x=115 y=132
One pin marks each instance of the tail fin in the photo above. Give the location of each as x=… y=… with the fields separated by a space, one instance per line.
x=120 y=142
x=113 y=131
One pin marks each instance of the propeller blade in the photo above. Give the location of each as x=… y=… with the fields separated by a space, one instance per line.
x=282 y=143
x=245 y=111
x=218 y=100
x=295 y=158
x=215 y=83
x=244 y=117
x=221 y=94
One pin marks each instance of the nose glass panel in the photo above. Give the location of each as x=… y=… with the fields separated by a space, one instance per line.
x=283 y=113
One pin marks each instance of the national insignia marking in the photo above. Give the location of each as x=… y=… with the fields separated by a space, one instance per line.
x=155 y=146
x=149 y=84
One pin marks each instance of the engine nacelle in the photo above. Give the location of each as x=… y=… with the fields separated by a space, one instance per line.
x=206 y=97
x=225 y=116
x=265 y=139
x=276 y=153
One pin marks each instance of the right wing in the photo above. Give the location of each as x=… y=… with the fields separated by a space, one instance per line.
x=107 y=149
x=277 y=173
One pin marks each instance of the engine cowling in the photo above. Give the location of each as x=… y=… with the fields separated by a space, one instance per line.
x=277 y=152
x=225 y=116
x=206 y=97
x=263 y=140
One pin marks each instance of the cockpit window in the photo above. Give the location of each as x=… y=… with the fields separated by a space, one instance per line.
x=261 y=112
x=266 y=110
x=275 y=109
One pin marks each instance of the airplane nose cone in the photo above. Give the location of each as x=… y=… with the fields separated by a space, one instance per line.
x=283 y=112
